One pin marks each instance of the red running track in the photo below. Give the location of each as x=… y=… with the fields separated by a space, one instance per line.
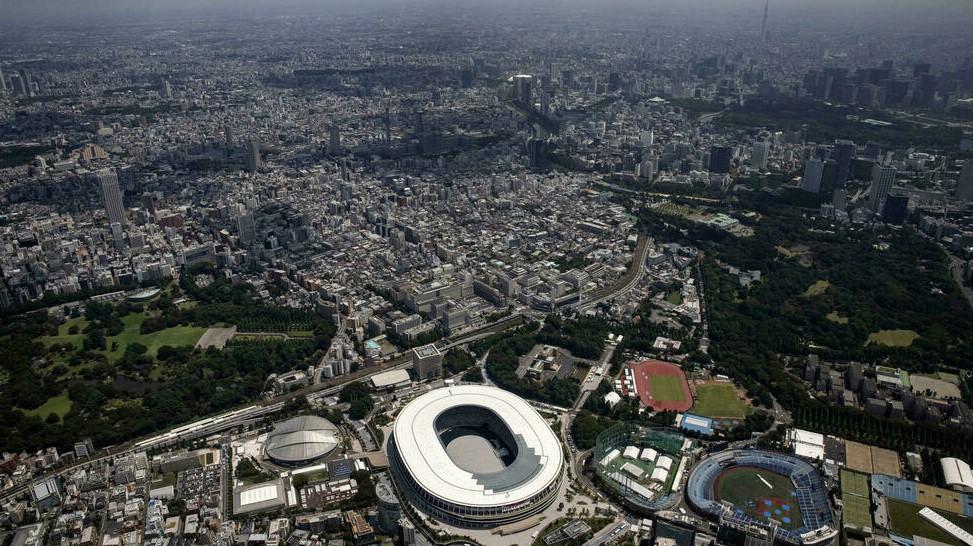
x=645 y=370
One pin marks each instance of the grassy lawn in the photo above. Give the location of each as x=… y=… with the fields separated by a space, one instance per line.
x=719 y=400
x=904 y=520
x=175 y=337
x=64 y=337
x=773 y=496
x=666 y=388
x=893 y=338
x=59 y=405
x=819 y=287
x=836 y=317
x=674 y=297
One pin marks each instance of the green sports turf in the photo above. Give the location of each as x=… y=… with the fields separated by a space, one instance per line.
x=719 y=400
x=666 y=388
x=743 y=488
x=855 y=500
x=904 y=520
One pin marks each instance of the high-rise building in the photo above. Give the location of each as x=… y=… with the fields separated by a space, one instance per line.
x=844 y=152
x=466 y=78
x=719 y=159
x=427 y=361
x=648 y=167
x=228 y=136
x=882 y=178
x=253 y=156
x=112 y=196
x=148 y=202
x=840 y=199
x=896 y=209
x=813 y=172
x=964 y=185
x=3 y=83
x=523 y=89
x=334 y=140
x=246 y=227
x=760 y=152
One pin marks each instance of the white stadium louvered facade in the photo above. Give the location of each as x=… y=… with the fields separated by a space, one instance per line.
x=475 y=456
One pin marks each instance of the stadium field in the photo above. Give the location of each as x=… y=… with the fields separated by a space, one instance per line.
x=662 y=386
x=904 y=520
x=667 y=388
x=719 y=400
x=761 y=494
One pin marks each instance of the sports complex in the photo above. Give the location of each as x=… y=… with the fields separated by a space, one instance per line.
x=475 y=456
x=643 y=466
x=753 y=487
x=660 y=385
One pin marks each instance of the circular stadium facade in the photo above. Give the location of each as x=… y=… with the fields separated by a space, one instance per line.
x=475 y=456
x=761 y=488
x=301 y=440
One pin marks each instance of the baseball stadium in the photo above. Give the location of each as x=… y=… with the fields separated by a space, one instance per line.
x=475 y=456
x=772 y=490
x=644 y=466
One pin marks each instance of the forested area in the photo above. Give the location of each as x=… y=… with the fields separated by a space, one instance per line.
x=114 y=394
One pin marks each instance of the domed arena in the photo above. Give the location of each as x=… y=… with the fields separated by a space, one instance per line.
x=301 y=441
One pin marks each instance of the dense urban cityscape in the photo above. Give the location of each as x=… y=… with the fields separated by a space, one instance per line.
x=304 y=273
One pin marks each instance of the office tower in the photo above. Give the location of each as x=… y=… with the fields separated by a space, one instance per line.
x=763 y=27
x=760 y=152
x=228 y=136
x=829 y=177
x=964 y=185
x=545 y=103
x=896 y=209
x=523 y=89
x=844 y=152
x=614 y=81
x=466 y=78
x=3 y=83
x=334 y=140
x=719 y=159
x=112 y=196
x=27 y=82
x=840 y=199
x=17 y=85
x=872 y=150
x=246 y=227
x=148 y=202
x=882 y=178
x=813 y=172
x=647 y=168
x=253 y=156
x=427 y=361
x=647 y=138
x=166 y=89
x=84 y=448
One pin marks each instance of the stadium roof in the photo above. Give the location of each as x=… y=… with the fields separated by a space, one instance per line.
x=302 y=438
x=420 y=449
x=259 y=497
x=957 y=473
x=390 y=379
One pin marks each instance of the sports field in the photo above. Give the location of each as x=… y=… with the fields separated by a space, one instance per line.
x=662 y=386
x=719 y=400
x=904 y=520
x=761 y=494
x=854 y=498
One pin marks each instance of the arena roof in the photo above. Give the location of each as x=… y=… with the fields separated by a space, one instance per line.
x=302 y=438
x=957 y=473
x=424 y=456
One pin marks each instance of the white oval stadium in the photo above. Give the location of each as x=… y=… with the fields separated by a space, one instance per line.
x=475 y=456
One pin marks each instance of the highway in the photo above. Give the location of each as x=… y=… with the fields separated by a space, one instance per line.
x=635 y=273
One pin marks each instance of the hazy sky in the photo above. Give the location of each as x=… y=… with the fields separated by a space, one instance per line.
x=896 y=14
